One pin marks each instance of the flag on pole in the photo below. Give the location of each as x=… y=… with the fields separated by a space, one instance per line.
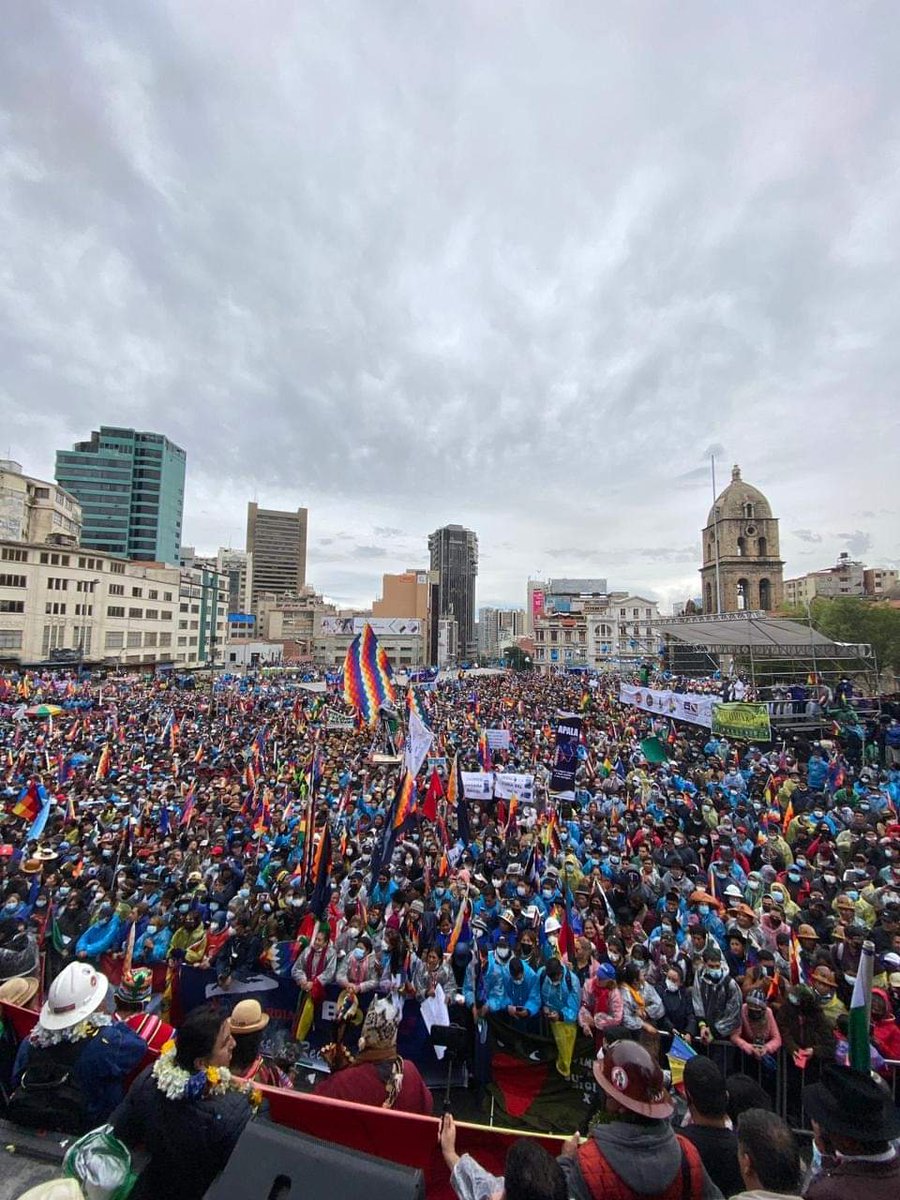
x=406 y=802
x=860 y=1010
x=28 y=804
x=414 y=704
x=457 y=929
x=103 y=762
x=368 y=682
x=434 y=793
x=456 y=801
x=188 y=811
x=418 y=743
x=788 y=816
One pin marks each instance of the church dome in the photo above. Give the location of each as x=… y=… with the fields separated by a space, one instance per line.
x=733 y=501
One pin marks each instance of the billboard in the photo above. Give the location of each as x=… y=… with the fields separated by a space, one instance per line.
x=381 y=626
x=537 y=604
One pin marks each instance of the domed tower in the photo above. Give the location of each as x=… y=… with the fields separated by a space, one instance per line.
x=743 y=535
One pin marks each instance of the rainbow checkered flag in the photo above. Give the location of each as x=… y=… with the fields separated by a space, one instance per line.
x=368 y=682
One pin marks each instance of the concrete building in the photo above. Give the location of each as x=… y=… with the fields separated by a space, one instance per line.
x=33 y=510
x=414 y=593
x=600 y=629
x=130 y=485
x=101 y=609
x=448 y=642
x=292 y=617
x=497 y=629
x=846 y=578
x=277 y=542
x=879 y=581
x=236 y=565
x=534 y=604
x=402 y=638
x=741 y=566
x=454 y=555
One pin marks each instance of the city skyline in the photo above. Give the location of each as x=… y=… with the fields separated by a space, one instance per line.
x=525 y=291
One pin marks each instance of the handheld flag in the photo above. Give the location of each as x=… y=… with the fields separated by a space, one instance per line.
x=28 y=804
x=406 y=801
x=456 y=800
x=434 y=793
x=860 y=1010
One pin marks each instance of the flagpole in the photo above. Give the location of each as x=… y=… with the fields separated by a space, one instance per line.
x=712 y=462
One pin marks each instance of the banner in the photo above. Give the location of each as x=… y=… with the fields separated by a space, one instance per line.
x=565 y=764
x=338 y=720
x=497 y=739
x=477 y=785
x=680 y=706
x=380 y=626
x=508 y=785
x=750 y=722
x=418 y=743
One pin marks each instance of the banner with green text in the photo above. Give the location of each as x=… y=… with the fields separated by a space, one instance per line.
x=750 y=722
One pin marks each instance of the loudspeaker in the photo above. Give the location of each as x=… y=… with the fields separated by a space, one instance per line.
x=272 y=1163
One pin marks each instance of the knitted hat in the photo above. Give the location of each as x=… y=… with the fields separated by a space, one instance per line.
x=135 y=987
x=380 y=1026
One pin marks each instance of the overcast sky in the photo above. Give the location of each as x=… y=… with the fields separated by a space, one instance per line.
x=513 y=265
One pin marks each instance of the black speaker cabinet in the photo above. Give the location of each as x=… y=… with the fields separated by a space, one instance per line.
x=272 y=1163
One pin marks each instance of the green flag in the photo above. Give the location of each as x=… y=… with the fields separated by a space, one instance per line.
x=860 y=1008
x=654 y=751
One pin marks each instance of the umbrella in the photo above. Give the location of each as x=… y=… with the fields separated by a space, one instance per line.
x=43 y=710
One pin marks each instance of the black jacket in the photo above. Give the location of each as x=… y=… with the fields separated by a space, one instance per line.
x=189 y=1142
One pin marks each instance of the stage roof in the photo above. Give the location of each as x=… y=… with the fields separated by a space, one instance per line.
x=765 y=636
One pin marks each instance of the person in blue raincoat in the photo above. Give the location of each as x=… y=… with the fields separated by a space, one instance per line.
x=522 y=993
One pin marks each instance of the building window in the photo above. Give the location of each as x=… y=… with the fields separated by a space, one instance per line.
x=167 y=596
x=55 y=609
x=742 y=547
x=136 y=591
x=10 y=639
x=165 y=639
x=12 y=581
x=10 y=555
x=12 y=606
x=765 y=595
x=153 y=594
x=117 y=568
x=763 y=548
x=137 y=613
x=116 y=589
x=115 y=640
x=134 y=639
x=149 y=639
x=115 y=610
x=743 y=595
x=56 y=584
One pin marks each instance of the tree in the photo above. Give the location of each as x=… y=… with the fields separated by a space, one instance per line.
x=516 y=658
x=853 y=619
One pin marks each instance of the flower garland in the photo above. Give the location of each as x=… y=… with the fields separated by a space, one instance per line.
x=40 y=1036
x=176 y=1083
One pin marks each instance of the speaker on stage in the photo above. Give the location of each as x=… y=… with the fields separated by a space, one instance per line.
x=272 y=1163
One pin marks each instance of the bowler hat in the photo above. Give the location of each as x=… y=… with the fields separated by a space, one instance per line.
x=849 y=1102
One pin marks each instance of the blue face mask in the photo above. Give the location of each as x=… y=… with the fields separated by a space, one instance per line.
x=715 y=973
x=703 y=909
x=854 y=895
x=359 y=952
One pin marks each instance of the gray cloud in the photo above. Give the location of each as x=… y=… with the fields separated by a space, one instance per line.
x=465 y=262
x=806 y=535
x=857 y=542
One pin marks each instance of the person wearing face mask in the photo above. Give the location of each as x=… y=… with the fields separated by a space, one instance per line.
x=358 y=973
x=104 y=933
x=717 y=998
x=677 y=1002
x=153 y=946
x=758 y=1035
x=601 y=1007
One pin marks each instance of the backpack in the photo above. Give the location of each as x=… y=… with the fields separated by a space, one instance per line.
x=48 y=1095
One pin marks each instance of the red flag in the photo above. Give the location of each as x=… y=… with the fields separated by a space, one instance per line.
x=434 y=793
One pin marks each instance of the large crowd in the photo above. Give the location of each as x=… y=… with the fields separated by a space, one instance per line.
x=720 y=896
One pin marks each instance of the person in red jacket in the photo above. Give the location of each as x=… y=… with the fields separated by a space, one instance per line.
x=885 y=1029
x=379 y=1077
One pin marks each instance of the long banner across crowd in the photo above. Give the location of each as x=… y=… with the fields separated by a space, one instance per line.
x=735 y=719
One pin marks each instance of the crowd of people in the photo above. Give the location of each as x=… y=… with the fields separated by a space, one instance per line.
x=720 y=897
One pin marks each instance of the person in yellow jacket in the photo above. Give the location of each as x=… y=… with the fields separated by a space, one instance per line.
x=190 y=939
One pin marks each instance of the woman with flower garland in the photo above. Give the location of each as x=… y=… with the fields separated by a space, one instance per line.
x=187 y=1110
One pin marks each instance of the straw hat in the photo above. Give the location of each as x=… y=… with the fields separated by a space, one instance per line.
x=18 y=991
x=32 y=866
x=248 y=1017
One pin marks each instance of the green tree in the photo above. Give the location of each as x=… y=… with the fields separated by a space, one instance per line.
x=852 y=619
x=515 y=657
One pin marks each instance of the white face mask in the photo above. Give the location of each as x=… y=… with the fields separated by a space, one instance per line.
x=671 y=985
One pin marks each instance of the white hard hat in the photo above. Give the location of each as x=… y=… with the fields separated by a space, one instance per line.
x=552 y=925
x=74 y=994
